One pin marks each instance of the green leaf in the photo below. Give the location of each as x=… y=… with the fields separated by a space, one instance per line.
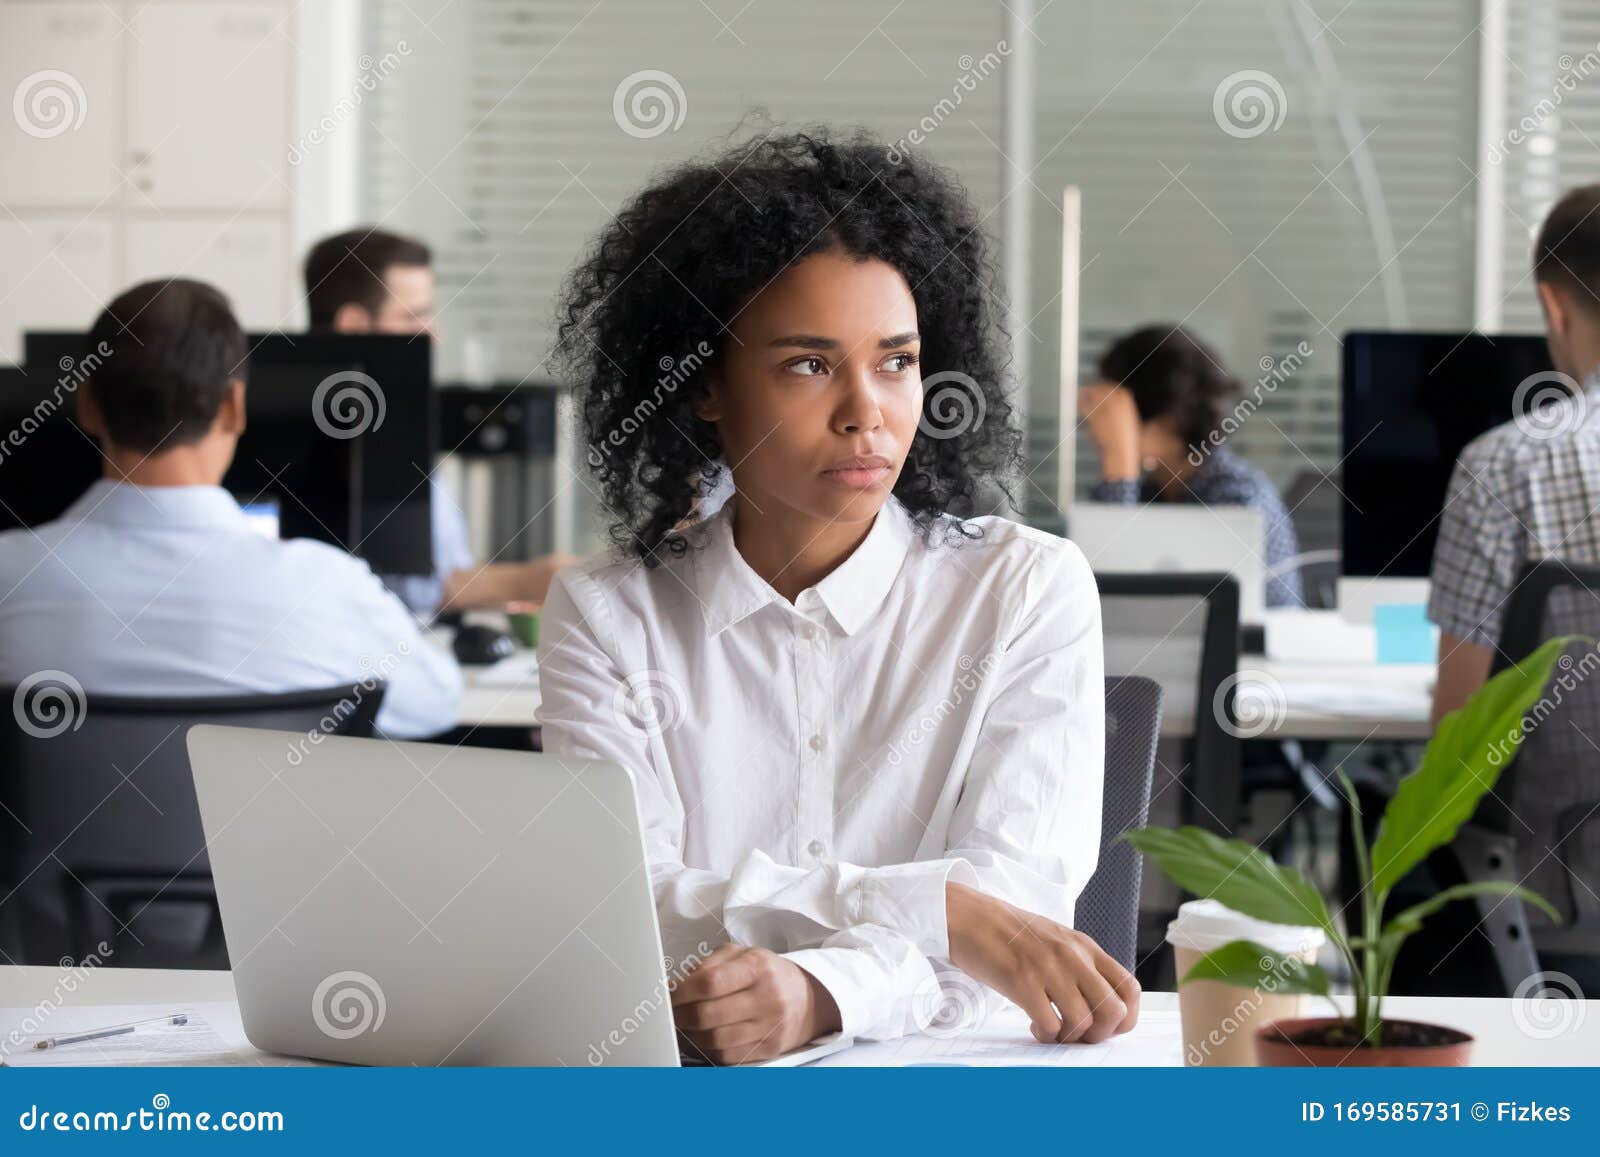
x=1403 y=924
x=1235 y=874
x=1461 y=764
x=1250 y=965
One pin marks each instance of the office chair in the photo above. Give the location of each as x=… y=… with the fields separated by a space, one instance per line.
x=1182 y=630
x=1540 y=827
x=1315 y=507
x=101 y=848
x=1108 y=907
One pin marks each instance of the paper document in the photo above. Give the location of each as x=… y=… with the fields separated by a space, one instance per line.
x=151 y=1042
x=513 y=671
x=1379 y=702
x=1157 y=1040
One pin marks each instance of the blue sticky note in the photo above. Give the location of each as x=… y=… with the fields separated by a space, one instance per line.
x=1404 y=633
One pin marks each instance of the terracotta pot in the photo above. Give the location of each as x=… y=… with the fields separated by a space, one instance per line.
x=1275 y=1046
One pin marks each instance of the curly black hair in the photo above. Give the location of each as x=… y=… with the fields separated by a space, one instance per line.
x=1172 y=373
x=657 y=288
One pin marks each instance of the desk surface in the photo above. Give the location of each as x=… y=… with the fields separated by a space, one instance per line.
x=1302 y=700
x=1509 y=1033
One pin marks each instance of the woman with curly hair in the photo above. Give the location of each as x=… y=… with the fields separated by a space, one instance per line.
x=1155 y=416
x=865 y=721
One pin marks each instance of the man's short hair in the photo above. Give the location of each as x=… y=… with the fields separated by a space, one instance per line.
x=1567 y=251
x=174 y=346
x=348 y=268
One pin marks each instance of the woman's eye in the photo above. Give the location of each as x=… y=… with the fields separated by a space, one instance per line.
x=809 y=367
x=899 y=363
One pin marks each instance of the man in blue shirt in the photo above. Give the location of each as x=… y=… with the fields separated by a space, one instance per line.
x=155 y=583
x=371 y=281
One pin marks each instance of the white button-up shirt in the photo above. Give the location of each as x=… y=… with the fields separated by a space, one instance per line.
x=811 y=775
x=167 y=591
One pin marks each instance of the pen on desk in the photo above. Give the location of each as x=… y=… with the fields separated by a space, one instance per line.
x=51 y=1042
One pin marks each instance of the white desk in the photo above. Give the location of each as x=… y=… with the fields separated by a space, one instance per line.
x=1500 y=1038
x=504 y=694
x=1378 y=701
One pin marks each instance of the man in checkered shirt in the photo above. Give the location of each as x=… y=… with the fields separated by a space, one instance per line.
x=1528 y=489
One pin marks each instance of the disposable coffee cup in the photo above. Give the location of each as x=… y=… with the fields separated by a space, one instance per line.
x=1220 y=1020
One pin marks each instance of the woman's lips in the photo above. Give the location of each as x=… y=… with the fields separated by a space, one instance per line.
x=858 y=477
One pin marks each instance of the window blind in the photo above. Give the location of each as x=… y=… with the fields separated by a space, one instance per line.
x=1345 y=205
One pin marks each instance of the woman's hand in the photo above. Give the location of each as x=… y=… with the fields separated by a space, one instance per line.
x=749 y=1004
x=1039 y=964
x=1113 y=421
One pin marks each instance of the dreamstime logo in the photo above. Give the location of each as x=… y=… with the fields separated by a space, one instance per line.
x=1274 y=972
x=1548 y=1004
x=1259 y=704
x=1274 y=372
x=953 y=404
x=348 y=404
x=74 y=372
x=972 y=72
x=47 y=703
x=648 y=103
x=49 y=103
x=1249 y=103
x=1526 y=130
x=949 y=1004
x=74 y=974
x=1572 y=675
x=348 y=1004
x=674 y=373
x=650 y=702
x=371 y=73
x=1549 y=404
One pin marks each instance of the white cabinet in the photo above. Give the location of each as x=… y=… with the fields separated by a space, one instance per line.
x=152 y=138
x=209 y=106
x=59 y=272
x=243 y=258
x=60 y=79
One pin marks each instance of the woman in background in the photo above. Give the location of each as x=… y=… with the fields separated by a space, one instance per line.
x=1155 y=414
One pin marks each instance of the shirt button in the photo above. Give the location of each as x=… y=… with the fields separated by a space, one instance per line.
x=816 y=743
x=816 y=847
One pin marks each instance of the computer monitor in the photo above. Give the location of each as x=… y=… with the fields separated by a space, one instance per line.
x=1412 y=402
x=340 y=434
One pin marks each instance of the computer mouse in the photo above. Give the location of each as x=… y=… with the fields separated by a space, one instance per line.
x=478 y=645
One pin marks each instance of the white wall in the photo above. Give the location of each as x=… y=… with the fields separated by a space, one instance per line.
x=170 y=137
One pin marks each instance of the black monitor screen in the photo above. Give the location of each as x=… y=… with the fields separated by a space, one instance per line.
x=365 y=491
x=1412 y=402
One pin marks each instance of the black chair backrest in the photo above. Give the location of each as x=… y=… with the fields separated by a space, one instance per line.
x=1108 y=907
x=1182 y=630
x=1317 y=508
x=101 y=848
x=1548 y=798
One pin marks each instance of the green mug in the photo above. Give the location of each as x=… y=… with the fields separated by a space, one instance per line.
x=525 y=627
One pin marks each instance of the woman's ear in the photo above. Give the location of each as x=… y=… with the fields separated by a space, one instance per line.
x=709 y=408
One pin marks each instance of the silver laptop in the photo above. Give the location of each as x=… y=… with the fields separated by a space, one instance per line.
x=1175 y=538
x=418 y=904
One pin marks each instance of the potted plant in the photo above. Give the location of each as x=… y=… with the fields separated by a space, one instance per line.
x=1460 y=765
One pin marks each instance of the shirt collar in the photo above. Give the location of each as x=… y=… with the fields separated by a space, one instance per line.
x=125 y=504
x=730 y=591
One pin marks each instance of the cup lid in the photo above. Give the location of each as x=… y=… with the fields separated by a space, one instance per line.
x=1206 y=925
